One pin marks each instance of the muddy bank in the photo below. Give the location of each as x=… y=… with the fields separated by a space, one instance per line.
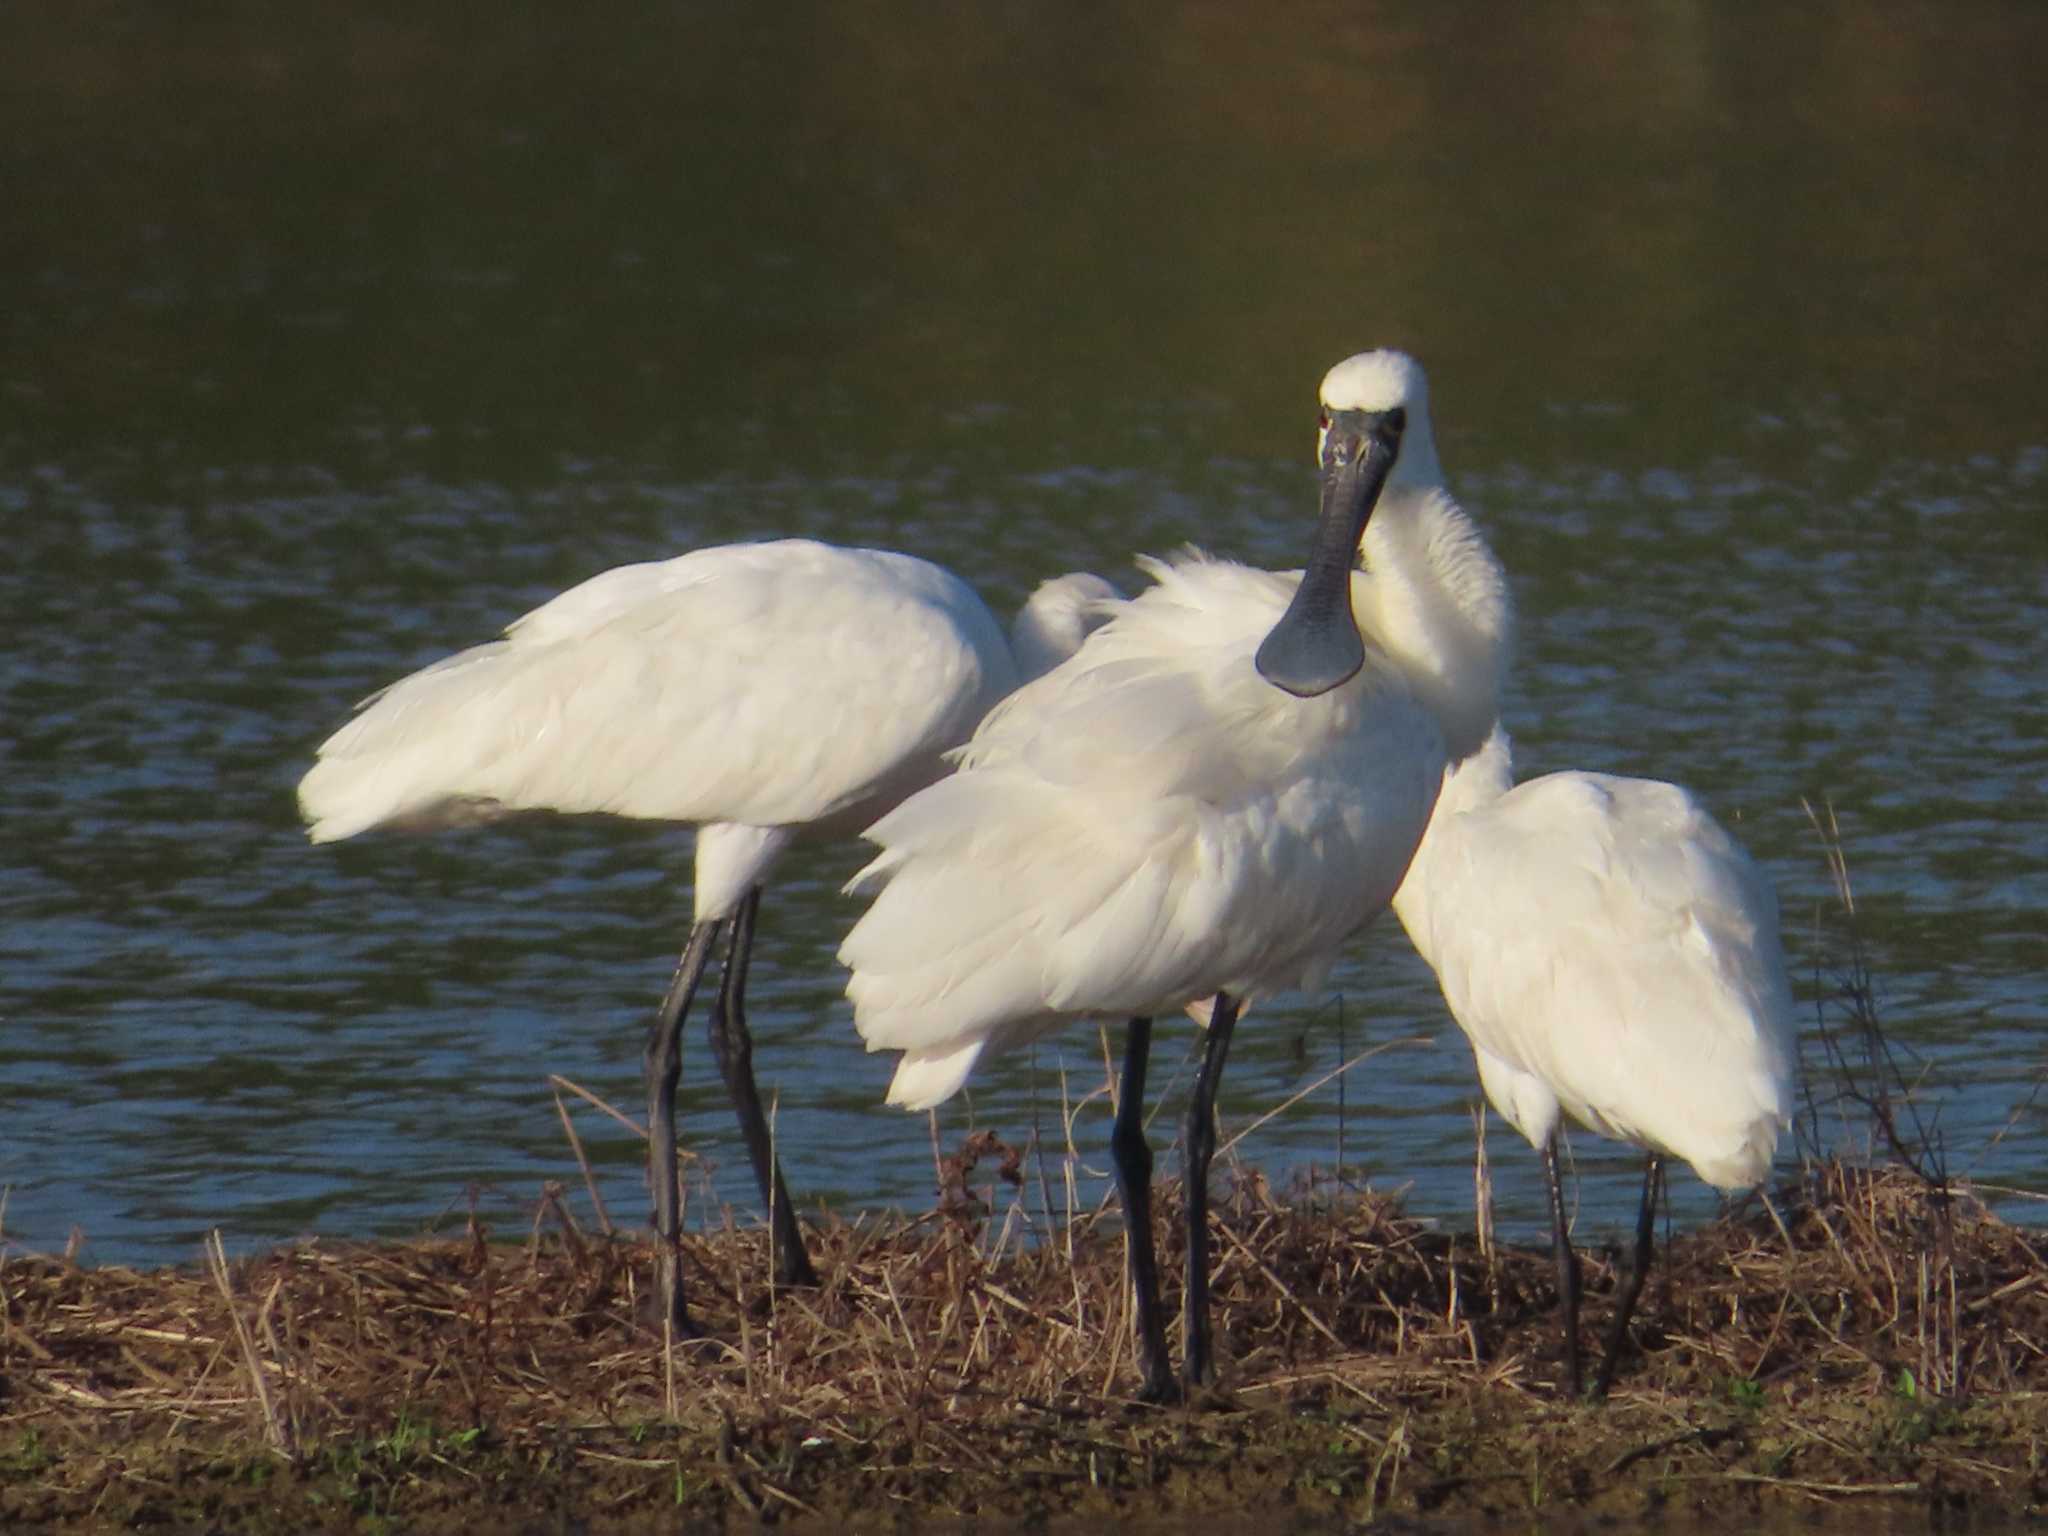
x=1891 y=1357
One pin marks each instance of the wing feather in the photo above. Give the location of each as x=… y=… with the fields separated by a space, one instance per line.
x=771 y=684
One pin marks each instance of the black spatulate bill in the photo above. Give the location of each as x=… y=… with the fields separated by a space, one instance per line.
x=1316 y=647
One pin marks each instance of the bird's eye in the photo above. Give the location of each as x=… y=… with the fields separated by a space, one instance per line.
x=1323 y=421
x=1397 y=418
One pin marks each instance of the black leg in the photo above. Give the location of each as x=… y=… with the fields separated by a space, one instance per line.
x=1625 y=1303
x=663 y=1064
x=733 y=1047
x=1198 y=1146
x=1134 y=1187
x=1567 y=1267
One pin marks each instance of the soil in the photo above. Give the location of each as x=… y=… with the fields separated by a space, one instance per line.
x=1864 y=1343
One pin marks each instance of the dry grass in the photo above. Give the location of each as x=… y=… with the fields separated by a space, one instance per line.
x=937 y=1371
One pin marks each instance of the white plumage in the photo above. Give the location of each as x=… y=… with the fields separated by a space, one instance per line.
x=1613 y=954
x=1148 y=825
x=1152 y=822
x=752 y=690
x=760 y=692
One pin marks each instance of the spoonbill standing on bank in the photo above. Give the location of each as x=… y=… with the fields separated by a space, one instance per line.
x=759 y=692
x=1613 y=953
x=1153 y=823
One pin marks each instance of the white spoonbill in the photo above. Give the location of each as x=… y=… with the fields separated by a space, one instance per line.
x=1153 y=823
x=759 y=692
x=1612 y=953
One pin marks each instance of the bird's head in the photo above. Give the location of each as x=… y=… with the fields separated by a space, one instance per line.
x=1372 y=437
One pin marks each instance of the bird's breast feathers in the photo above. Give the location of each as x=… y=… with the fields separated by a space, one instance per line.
x=1166 y=701
x=1148 y=823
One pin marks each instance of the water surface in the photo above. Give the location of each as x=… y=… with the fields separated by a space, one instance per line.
x=335 y=341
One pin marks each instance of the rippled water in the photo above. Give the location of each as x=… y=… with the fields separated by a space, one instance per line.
x=338 y=349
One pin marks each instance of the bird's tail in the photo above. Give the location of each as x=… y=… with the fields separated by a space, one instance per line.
x=407 y=756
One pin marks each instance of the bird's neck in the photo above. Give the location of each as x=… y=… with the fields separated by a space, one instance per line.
x=1056 y=620
x=1442 y=610
x=1480 y=779
x=1473 y=785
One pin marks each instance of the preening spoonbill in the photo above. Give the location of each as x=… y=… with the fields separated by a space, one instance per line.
x=1153 y=823
x=759 y=692
x=1612 y=953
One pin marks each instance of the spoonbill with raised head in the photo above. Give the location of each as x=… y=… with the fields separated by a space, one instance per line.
x=1612 y=953
x=1153 y=822
x=760 y=692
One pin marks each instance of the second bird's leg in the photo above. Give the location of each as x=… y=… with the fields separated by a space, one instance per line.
x=1198 y=1146
x=662 y=1062
x=1567 y=1266
x=1625 y=1303
x=733 y=1047
x=1133 y=1157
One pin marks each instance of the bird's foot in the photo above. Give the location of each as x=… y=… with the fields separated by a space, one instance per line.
x=1160 y=1389
x=681 y=1327
x=793 y=1271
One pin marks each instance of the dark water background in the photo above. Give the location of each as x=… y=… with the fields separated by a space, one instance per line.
x=334 y=337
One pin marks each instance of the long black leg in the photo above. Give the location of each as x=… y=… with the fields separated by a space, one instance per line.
x=1567 y=1266
x=733 y=1046
x=1134 y=1187
x=1625 y=1303
x=662 y=1062
x=1198 y=1146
